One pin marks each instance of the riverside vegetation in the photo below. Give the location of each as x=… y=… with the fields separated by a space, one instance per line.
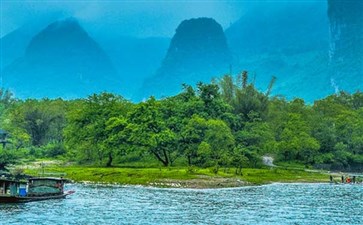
x=218 y=130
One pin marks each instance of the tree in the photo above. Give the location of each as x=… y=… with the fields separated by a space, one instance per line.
x=149 y=131
x=219 y=136
x=90 y=124
x=323 y=129
x=204 y=152
x=117 y=137
x=257 y=134
x=239 y=159
x=6 y=158
x=42 y=120
x=250 y=100
x=191 y=137
x=296 y=142
x=341 y=154
x=228 y=89
x=6 y=99
x=214 y=106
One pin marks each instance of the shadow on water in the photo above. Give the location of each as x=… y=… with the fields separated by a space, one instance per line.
x=11 y=208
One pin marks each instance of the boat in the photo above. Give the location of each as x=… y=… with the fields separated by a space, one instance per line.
x=34 y=189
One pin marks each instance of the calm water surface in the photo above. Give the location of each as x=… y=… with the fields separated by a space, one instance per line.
x=269 y=204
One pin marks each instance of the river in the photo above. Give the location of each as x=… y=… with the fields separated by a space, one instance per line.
x=267 y=204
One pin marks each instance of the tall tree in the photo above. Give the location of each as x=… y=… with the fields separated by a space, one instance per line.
x=191 y=137
x=89 y=126
x=221 y=141
x=149 y=131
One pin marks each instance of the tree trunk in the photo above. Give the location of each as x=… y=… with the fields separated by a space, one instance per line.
x=166 y=157
x=109 y=162
x=164 y=162
x=189 y=160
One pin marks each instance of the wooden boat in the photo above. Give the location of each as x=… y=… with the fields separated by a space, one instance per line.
x=35 y=189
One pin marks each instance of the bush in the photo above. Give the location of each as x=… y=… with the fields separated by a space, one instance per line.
x=54 y=150
x=50 y=150
x=7 y=157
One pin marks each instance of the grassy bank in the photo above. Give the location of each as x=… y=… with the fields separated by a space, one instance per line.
x=182 y=177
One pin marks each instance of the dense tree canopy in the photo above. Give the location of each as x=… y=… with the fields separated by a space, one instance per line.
x=227 y=123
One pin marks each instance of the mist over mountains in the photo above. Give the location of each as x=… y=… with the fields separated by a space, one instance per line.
x=314 y=49
x=61 y=61
x=197 y=52
x=285 y=42
x=346 y=46
x=13 y=45
x=135 y=59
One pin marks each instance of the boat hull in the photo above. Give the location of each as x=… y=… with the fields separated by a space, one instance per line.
x=18 y=199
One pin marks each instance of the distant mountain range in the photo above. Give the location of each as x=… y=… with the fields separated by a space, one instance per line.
x=63 y=60
x=314 y=50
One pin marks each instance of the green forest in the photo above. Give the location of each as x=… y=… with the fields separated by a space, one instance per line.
x=227 y=123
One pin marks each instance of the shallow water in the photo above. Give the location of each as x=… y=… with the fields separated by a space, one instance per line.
x=268 y=204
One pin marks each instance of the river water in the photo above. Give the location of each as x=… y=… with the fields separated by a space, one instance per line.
x=268 y=204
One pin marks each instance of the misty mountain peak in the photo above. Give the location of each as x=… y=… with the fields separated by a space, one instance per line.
x=198 y=51
x=61 y=37
x=62 y=60
x=68 y=24
x=198 y=37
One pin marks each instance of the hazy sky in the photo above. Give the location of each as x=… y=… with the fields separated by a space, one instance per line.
x=134 y=18
x=129 y=18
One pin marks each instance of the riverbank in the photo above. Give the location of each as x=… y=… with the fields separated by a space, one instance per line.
x=181 y=177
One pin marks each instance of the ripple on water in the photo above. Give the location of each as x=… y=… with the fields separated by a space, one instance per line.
x=268 y=204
